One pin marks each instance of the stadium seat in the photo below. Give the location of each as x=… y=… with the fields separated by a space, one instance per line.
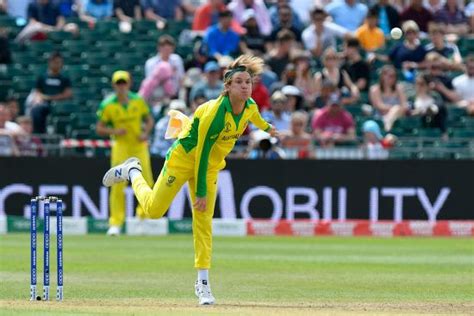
x=462 y=133
x=64 y=108
x=110 y=46
x=24 y=83
x=60 y=36
x=40 y=47
x=83 y=121
x=59 y=124
x=400 y=154
x=434 y=154
x=7 y=22
x=143 y=26
x=428 y=132
x=408 y=123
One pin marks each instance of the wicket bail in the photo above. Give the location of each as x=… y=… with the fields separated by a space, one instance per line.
x=59 y=232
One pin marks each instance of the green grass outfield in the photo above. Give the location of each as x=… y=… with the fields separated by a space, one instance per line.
x=250 y=276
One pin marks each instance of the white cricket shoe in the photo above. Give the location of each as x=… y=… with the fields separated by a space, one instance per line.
x=120 y=172
x=203 y=292
x=113 y=231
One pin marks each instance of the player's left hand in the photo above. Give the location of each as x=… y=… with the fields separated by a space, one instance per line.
x=200 y=204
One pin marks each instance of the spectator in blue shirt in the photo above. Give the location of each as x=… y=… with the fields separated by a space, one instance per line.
x=94 y=10
x=162 y=10
x=349 y=14
x=220 y=39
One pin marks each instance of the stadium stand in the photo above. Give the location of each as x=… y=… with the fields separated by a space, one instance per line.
x=92 y=55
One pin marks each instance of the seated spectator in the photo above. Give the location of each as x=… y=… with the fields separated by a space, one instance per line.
x=279 y=57
x=127 y=10
x=166 y=52
x=295 y=98
x=18 y=8
x=297 y=138
x=373 y=141
x=8 y=131
x=287 y=78
x=275 y=18
x=263 y=146
x=438 y=80
x=27 y=144
x=463 y=85
x=409 y=53
x=68 y=8
x=285 y=22
x=469 y=12
x=388 y=16
x=321 y=34
x=349 y=14
x=13 y=107
x=52 y=86
x=44 y=17
x=453 y=18
x=416 y=12
x=3 y=7
x=333 y=124
x=219 y=39
x=260 y=94
x=341 y=79
x=211 y=87
x=160 y=86
x=208 y=14
x=278 y=115
x=161 y=11
x=96 y=10
x=304 y=77
x=429 y=105
x=388 y=97
x=370 y=36
x=237 y=7
x=448 y=50
x=354 y=65
x=253 y=42
x=7 y=126
x=433 y=5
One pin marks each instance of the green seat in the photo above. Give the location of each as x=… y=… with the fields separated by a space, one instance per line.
x=143 y=26
x=83 y=121
x=146 y=48
x=434 y=154
x=64 y=109
x=463 y=133
x=7 y=21
x=400 y=154
x=27 y=58
x=76 y=72
x=106 y=26
x=37 y=69
x=408 y=123
x=110 y=46
x=24 y=83
x=428 y=132
x=96 y=82
x=355 y=110
x=76 y=47
x=60 y=124
x=40 y=47
x=60 y=36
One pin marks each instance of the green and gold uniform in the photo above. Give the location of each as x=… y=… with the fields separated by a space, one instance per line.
x=129 y=117
x=197 y=156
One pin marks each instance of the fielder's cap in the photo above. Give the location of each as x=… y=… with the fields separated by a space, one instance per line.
x=120 y=75
x=211 y=66
x=372 y=127
x=248 y=14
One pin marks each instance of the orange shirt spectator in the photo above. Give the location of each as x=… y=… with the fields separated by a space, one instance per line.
x=208 y=14
x=370 y=36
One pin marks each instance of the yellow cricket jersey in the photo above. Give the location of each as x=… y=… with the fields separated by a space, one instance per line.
x=128 y=116
x=212 y=136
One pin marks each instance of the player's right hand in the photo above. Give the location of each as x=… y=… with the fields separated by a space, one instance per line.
x=200 y=204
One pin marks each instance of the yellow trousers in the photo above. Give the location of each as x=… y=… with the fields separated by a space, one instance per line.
x=120 y=153
x=156 y=201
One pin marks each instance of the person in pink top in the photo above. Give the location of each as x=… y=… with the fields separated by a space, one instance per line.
x=333 y=124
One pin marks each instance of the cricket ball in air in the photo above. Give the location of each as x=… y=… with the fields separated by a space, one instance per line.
x=396 y=33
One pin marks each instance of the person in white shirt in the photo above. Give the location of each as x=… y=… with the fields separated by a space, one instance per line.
x=166 y=47
x=321 y=34
x=464 y=86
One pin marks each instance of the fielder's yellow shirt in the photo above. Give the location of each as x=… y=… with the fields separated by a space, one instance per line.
x=211 y=137
x=128 y=116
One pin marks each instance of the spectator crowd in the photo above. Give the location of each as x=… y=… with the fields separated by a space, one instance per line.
x=335 y=74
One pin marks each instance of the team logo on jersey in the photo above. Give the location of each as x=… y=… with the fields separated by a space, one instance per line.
x=170 y=180
x=227 y=127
